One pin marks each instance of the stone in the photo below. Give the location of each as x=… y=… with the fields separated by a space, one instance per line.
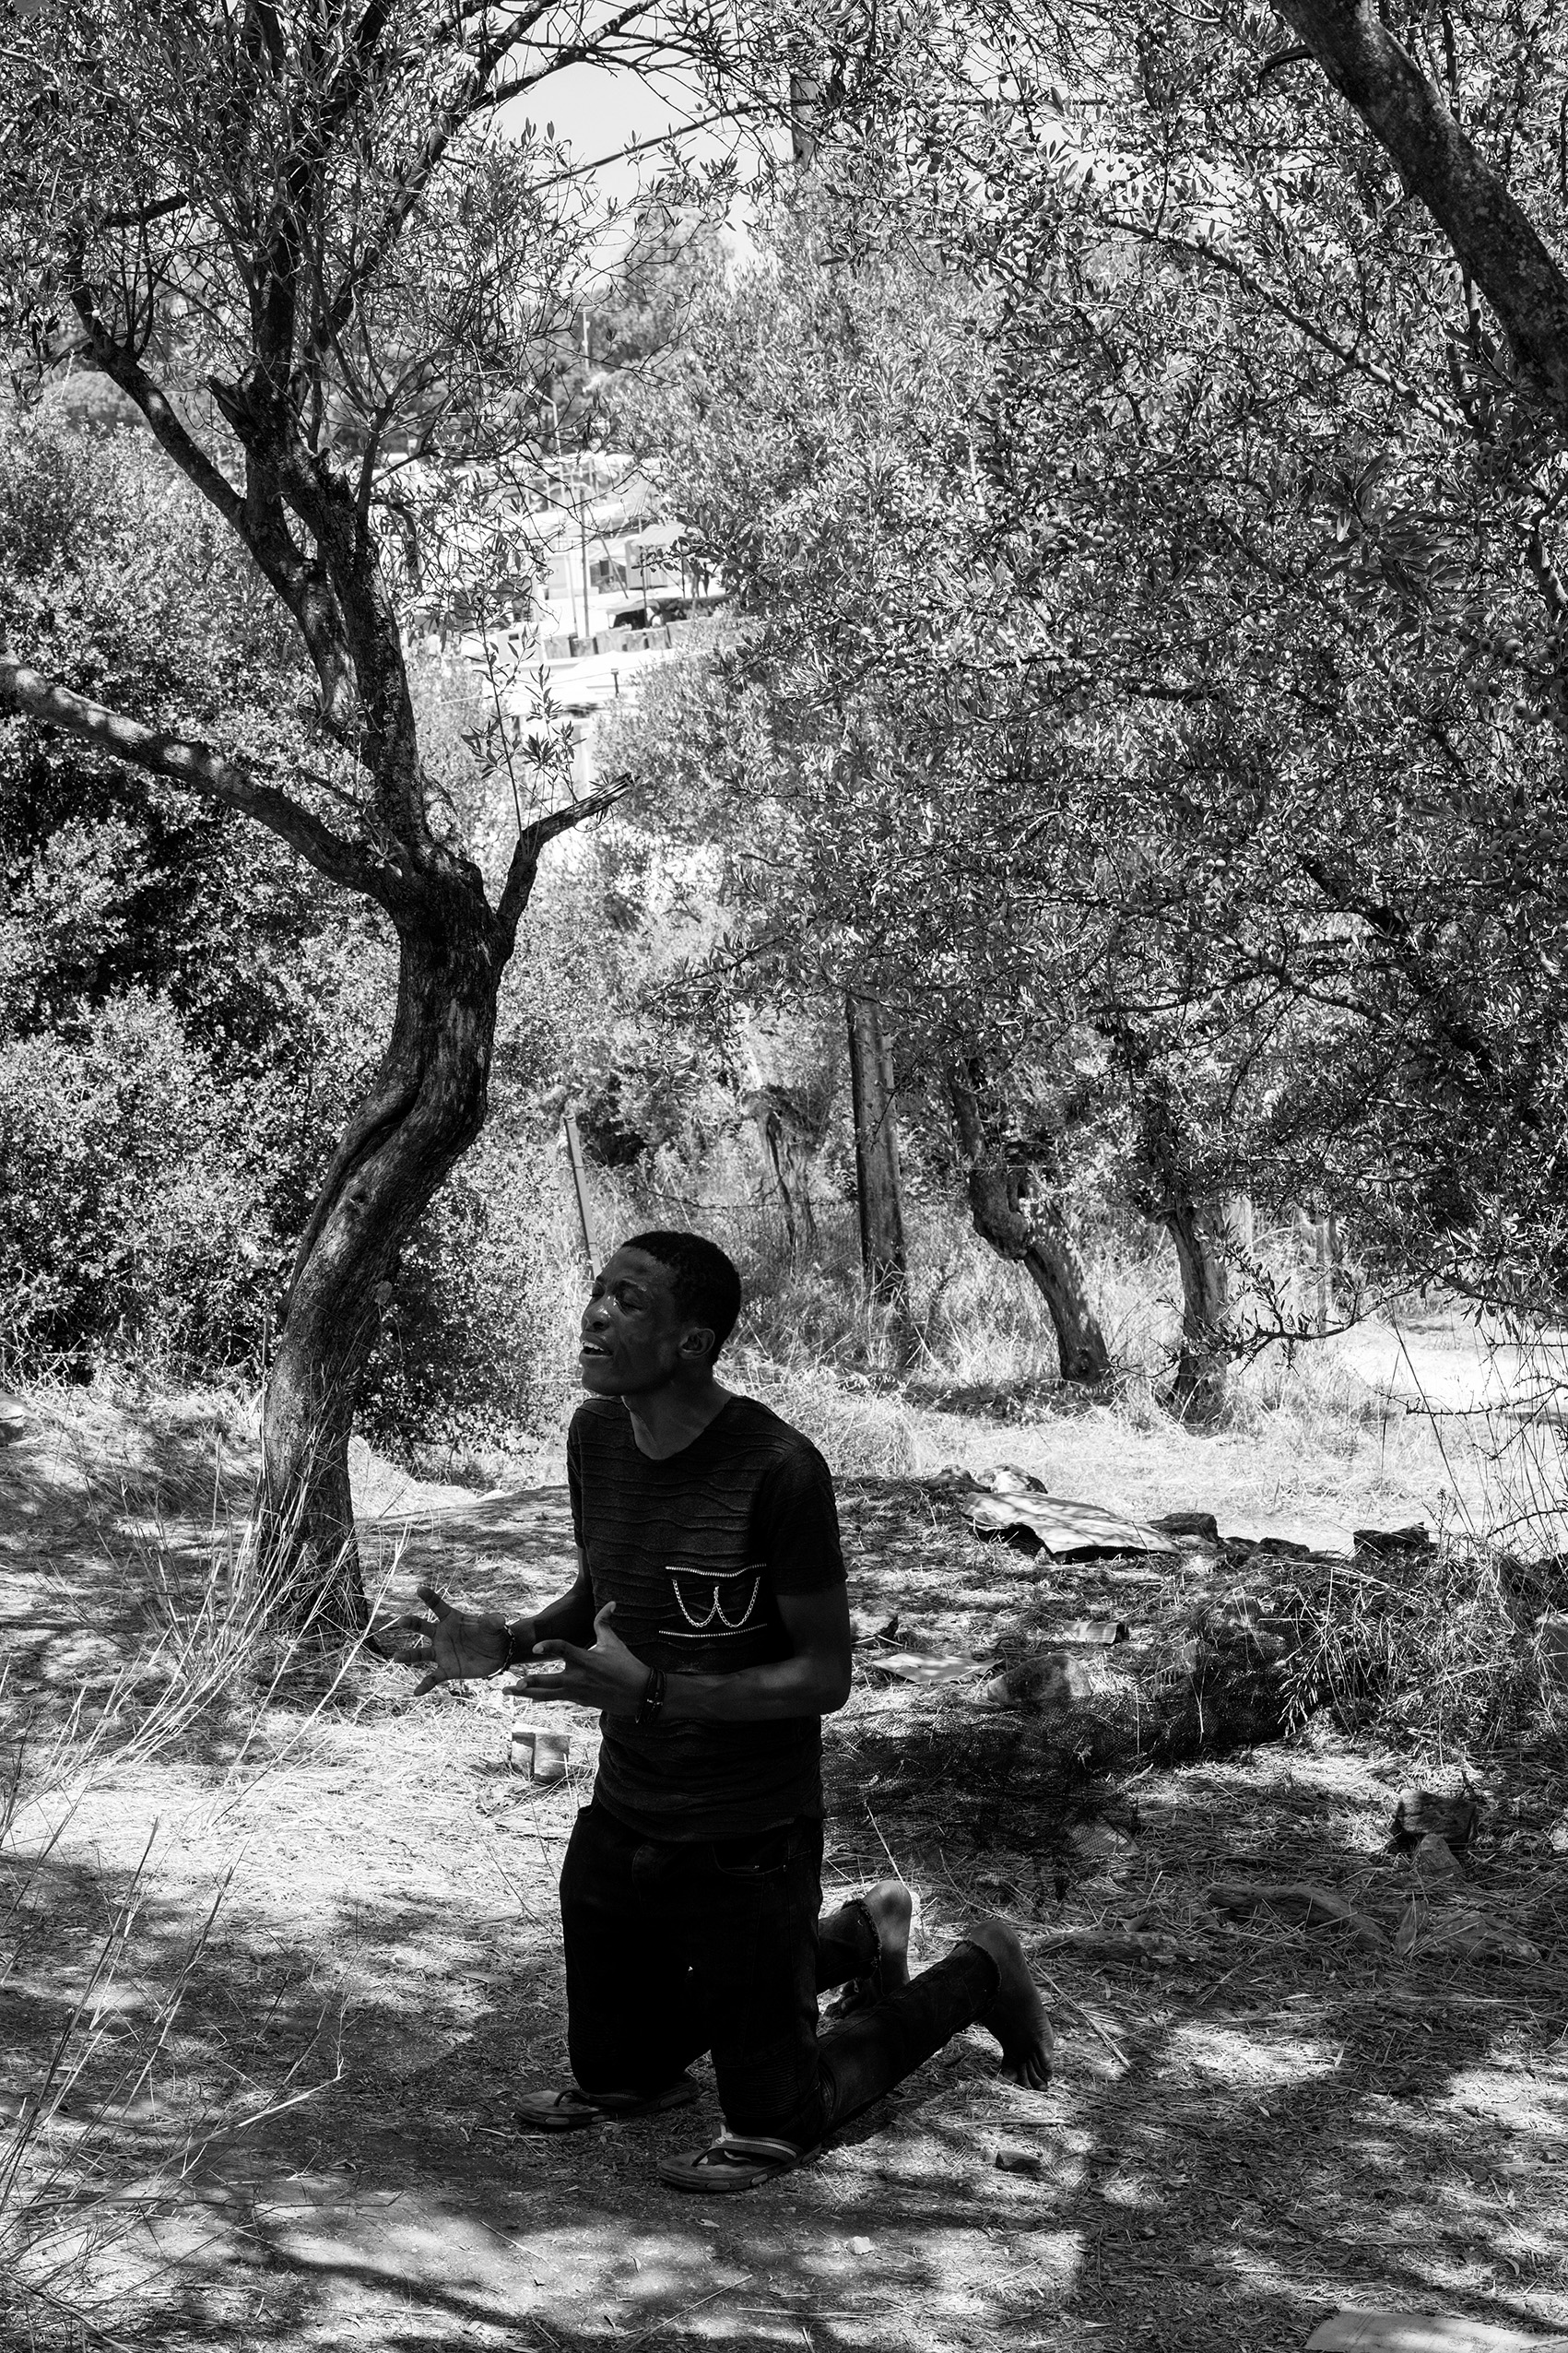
x=1194 y=1526
x=1447 y=1815
x=1436 y=1861
x=1383 y=1542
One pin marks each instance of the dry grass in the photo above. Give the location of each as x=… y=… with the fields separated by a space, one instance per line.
x=1225 y=2122
x=1242 y=2134
x=168 y=1649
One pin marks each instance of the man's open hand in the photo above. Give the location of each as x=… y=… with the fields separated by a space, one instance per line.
x=459 y=1646
x=608 y=1677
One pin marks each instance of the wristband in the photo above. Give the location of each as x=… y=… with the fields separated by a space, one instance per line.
x=653 y=1699
x=516 y=1629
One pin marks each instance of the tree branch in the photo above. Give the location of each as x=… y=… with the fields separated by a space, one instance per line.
x=1493 y=238
x=1392 y=928
x=477 y=100
x=162 y=208
x=1282 y=58
x=532 y=842
x=194 y=765
x=1360 y=364
x=117 y=362
x=255 y=516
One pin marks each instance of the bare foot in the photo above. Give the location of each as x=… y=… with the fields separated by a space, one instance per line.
x=891 y=1907
x=1017 y=2014
x=888 y=1907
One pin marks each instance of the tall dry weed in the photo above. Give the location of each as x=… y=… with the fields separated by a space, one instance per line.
x=209 y=1654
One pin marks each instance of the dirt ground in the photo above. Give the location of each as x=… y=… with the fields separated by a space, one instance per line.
x=1258 y=2127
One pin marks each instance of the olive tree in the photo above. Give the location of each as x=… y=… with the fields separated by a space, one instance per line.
x=308 y=241
x=824 y=434
x=1313 y=252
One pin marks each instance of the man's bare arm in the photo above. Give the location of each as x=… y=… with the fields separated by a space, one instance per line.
x=571 y=1619
x=463 y=1646
x=813 y=1681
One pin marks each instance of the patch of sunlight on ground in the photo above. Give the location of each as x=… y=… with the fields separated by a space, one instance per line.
x=1232 y=2055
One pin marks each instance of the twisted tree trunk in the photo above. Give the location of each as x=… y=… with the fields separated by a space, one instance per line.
x=1021 y=1222
x=1494 y=239
x=424 y=1109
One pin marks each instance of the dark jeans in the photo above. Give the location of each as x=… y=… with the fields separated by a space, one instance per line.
x=674 y=1948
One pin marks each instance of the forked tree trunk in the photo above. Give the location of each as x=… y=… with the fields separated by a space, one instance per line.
x=1022 y=1223
x=425 y=1107
x=1169 y=1191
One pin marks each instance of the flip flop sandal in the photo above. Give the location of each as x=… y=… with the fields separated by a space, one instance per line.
x=730 y=2163
x=572 y=2112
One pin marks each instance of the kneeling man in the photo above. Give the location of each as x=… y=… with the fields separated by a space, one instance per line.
x=710 y=1625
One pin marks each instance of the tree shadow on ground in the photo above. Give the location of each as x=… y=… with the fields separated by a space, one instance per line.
x=1268 y=2127
x=1269 y=2138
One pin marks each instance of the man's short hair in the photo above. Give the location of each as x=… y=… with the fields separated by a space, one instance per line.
x=705 y=1283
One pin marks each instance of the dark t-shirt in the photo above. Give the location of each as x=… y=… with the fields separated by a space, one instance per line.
x=694 y=1552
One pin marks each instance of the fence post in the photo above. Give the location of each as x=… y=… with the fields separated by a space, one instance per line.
x=1324 y=1276
x=579 y=1186
x=877 y=1185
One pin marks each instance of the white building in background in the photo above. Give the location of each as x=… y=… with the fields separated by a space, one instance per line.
x=583 y=545
x=566 y=582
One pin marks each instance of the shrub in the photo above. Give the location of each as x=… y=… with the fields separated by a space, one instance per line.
x=185 y=1010
x=477 y=1356
x=130 y=1211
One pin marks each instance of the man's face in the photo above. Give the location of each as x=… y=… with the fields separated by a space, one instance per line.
x=632 y=1331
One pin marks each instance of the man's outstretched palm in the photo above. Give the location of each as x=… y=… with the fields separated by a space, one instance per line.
x=459 y=1646
x=608 y=1676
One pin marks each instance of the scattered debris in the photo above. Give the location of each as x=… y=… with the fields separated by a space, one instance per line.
x=1245 y=1617
x=1104 y=1631
x=922 y=1666
x=1014 y=1504
x=1052 y=1679
x=1460 y=1931
x=1019 y=2160
x=1423 y=2332
x=1295 y=1539
x=1066 y=1530
x=1304 y=1906
x=1098 y=1838
x=865 y=1629
x=1117 y=1947
x=1188 y=1527
x=542 y=1755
